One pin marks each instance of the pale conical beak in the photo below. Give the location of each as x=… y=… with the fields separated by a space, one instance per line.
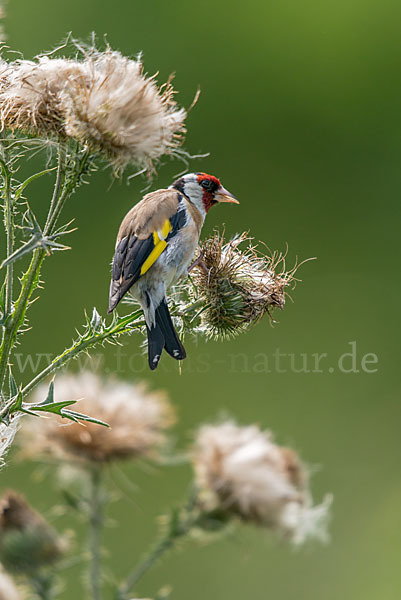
x=223 y=195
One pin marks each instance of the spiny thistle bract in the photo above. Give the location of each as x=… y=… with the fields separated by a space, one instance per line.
x=27 y=541
x=103 y=100
x=237 y=287
x=138 y=421
x=242 y=472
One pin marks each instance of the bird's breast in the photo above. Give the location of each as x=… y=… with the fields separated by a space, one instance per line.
x=179 y=252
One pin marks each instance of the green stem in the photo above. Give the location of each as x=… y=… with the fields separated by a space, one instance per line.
x=86 y=343
x=66 y=189
x=42 y=585
x=29 y=284
x=29 y=280
x=8 y=225
x=9 y=222
x=180 y=524
x=164 y=544
x=95 y=530
x=60 y=179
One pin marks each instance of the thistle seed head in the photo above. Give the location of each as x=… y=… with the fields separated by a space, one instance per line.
x=238 y=286
x=138 y=421
x=121 y=112
x=30 y=94
x=103 y=100
x=27 y=542
x=242 y=472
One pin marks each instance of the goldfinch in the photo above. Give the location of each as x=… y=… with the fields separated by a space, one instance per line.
x=155 y=244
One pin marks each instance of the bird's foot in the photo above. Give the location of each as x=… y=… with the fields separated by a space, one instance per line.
x=199 y=262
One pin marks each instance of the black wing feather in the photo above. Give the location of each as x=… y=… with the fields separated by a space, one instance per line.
x=128 y=259
x=177 y=221
x=119 y=258
x=130 y=255
x=137 y=252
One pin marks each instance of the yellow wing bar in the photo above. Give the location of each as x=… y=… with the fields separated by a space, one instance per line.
x=159 y=240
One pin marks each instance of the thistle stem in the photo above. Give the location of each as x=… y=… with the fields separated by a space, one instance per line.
x=180 y=524
x=84 y=344
x=9 y=223
x=21 y=304
x=164 y=544
x=9 y=227
x=60 y=179
x=42 y=586
x=31 y=276
x=95 y=530
x=61 y=191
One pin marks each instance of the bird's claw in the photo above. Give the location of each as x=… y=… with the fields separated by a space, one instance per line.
x=199 y=262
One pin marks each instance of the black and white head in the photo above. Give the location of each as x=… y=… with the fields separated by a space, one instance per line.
x=204 y=191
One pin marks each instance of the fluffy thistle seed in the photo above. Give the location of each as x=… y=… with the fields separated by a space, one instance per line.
x=137 y=418
x=104 y=101
x=30 y=94
x=27 y=542
x=238 y=287
x=242 y=472
x=122 y=112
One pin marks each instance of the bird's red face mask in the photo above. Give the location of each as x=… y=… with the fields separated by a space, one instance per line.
x=213 y=191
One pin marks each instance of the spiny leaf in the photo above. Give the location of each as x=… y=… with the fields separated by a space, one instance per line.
x=50 y=407
x=96 y=320
x=3 y=297
x=62 y=230
x=77 y=416
x=12 y=385
x=29 y=180
x=38 y=240
x=17 y=403
x=50 y=395
x=26 y=248
x=60 y=408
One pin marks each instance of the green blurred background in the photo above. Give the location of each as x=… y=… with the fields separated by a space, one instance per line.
x=301 y=112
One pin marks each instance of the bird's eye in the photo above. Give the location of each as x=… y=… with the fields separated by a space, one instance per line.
x=208 y=185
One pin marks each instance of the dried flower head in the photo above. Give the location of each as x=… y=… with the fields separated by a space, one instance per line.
x=30 y=94
x=8 y=590
x=120 y=111
x=104 y=100
x=137 y=418
x=238 y=286
x=241 y=471
x=27 y=542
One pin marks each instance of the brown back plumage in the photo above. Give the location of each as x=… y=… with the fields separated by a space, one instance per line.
x=136 y=229
x=149 y=214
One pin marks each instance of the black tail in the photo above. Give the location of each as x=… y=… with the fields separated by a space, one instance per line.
x=155 y=345
x=172 y=342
